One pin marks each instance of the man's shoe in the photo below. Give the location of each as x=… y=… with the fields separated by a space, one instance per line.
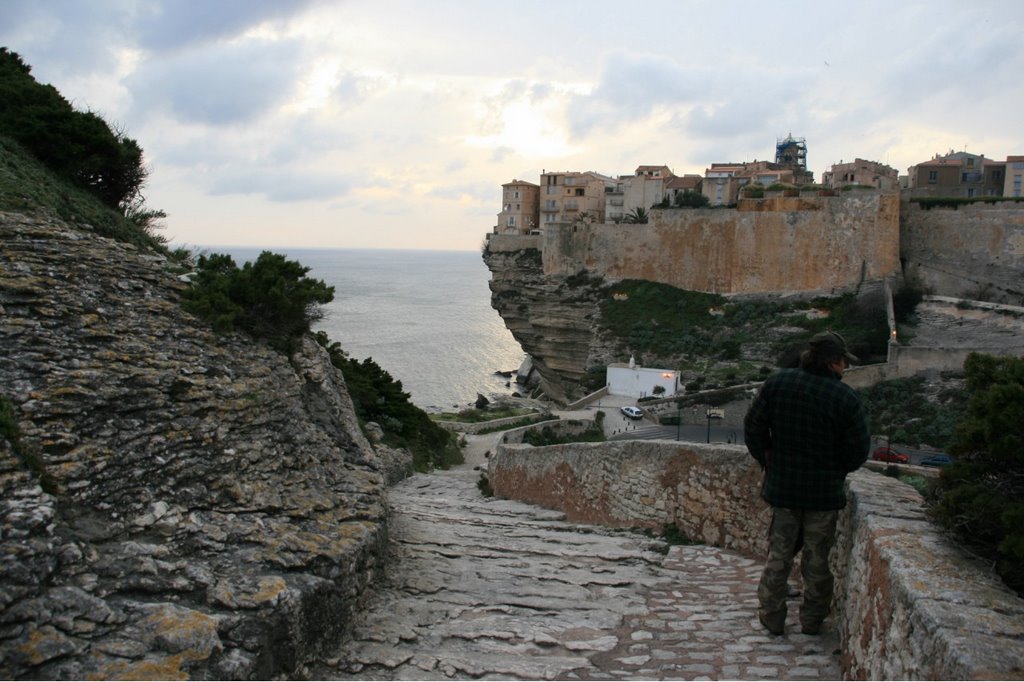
x=776 y=626
x=810 y=629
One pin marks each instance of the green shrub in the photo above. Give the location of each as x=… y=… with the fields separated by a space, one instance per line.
x=904 y=303
x=691 y=199
x=549 y=436
x=671 y=324
x=271 y=299
x=377 y=397
x=928 y=203
x=981 y=495
x=902 y=409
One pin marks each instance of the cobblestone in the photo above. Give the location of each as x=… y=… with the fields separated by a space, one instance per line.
x=495 y=589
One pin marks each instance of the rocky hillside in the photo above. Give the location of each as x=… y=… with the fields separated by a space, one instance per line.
x=173 y=503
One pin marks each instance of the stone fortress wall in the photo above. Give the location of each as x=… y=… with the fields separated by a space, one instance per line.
x=765 y=245
x=800 y=244
x=908 y=603
x=975 y=251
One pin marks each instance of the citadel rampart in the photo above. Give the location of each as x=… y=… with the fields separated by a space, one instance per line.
x=973 y=251
x=764 y=245
x=908 y=603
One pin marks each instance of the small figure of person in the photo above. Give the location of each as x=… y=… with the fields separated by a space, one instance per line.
x=808 y=430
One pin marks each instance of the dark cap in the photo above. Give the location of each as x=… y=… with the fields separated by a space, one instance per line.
x=831 y=343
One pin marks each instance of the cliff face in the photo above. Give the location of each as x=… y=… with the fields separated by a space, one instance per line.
x=554 y=321
x=214 y=509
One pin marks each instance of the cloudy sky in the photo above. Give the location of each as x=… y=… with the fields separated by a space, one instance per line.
x=393 y=124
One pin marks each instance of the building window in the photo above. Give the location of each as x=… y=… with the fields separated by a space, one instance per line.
x=933 y=177
x=511 y=221
x=552 y=189
x=970 y=191
x=515 y=195
x=579 y=192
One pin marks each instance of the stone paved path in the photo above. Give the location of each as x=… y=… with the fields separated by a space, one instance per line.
x=483 y=588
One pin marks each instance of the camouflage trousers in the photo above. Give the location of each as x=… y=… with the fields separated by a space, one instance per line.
x=792 y=531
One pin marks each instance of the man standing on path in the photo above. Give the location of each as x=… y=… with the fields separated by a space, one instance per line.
x=807 y=429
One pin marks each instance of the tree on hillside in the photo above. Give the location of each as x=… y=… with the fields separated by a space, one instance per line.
x=981 y=495
x=270 y=299
x=638 y=216
x=78 y=146
x=690 y=199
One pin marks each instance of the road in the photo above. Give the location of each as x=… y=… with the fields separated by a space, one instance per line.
x=642 y=429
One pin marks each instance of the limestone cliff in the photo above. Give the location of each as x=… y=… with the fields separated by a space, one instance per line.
x=552 y=320
x=212 y=509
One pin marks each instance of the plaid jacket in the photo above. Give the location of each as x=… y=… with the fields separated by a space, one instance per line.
x=808 y=431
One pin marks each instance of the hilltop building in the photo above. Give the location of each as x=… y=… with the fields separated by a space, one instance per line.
x=573 y=196
x=1014 y=173
x=569 y=196
x=648 y=186
x=959 y=174
x=791 y=154
x=684 y=183
x=723 y=181
x=520 y=201
x=861 y=172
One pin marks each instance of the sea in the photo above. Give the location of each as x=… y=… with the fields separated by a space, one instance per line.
x=424 y=316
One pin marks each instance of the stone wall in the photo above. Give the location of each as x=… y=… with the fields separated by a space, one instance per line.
x=490 y=425
x=211 y=509
x=909 y=604
x=974 y=251
x=812 y=244
x=709 y=492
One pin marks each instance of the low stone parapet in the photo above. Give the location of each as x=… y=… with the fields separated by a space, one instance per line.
x=908 y=602
x=474 y=428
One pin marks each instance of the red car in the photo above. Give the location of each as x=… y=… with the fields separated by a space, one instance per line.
x=887 y=454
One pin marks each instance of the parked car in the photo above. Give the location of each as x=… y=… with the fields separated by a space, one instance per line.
x=940 y=460
x=632 y=412
x=885 y=453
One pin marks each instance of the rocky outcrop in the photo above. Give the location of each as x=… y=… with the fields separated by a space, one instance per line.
x=211 y=507
x=553 y=318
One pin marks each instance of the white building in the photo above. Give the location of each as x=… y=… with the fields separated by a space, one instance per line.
x=633 y=381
